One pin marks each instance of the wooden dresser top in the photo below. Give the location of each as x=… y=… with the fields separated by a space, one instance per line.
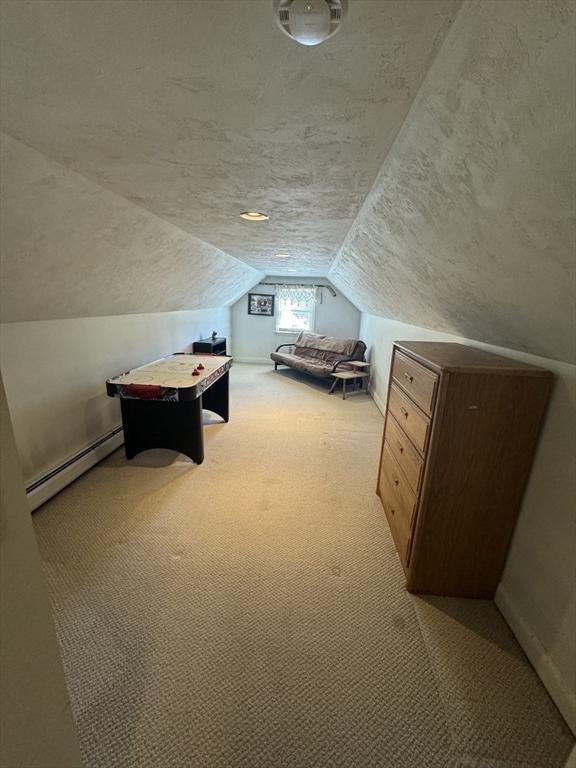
x=447 y=356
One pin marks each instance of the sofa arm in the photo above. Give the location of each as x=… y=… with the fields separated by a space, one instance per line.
x=283 y=345
x=340 y=362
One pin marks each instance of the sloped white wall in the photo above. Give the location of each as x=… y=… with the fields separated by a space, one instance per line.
x=71 y=248
x=537 y=594
x=255 y=337
x=469 y=227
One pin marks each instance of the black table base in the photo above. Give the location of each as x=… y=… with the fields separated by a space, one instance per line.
x=174 y=425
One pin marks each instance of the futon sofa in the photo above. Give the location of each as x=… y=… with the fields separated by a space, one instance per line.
x=319 y=355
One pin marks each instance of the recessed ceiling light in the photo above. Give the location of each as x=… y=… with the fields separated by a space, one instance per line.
x=254 y=216
x=282 y=255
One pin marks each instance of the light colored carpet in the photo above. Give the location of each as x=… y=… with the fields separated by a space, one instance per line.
x=250 y=612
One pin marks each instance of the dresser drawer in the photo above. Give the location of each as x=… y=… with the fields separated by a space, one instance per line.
x=398 y=499
x=417 y=381
x=407 y=457
x=414 y=423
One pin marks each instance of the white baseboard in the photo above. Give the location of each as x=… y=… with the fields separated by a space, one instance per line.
x=380 y=404
x=558 y=688
x=258 y=360
x=40 y=489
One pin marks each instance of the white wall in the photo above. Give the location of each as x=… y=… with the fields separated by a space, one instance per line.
x=537 y=594
x=36 y=726
x=255 y=337
x=55 y=373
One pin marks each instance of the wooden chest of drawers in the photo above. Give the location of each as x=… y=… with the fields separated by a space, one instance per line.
x=460 y=433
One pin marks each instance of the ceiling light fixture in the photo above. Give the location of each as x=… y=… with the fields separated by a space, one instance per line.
x=254 y=216
x=282 y=255
x=310 y=22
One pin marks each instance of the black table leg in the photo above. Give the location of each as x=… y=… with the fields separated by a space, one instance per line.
x=217 y=399
x=163 y=424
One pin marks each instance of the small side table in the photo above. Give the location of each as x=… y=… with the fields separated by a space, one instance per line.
x=215 y=346
x=359 y=364
x=345 y=376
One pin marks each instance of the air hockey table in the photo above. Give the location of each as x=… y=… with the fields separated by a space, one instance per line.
x=162 y=402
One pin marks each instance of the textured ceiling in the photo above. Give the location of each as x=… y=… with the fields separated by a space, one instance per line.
x=469 y=227
x=73 y=249
x=423 y=158
x=199 y=110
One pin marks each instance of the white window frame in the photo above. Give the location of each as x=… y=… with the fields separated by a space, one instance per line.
x=281 y=292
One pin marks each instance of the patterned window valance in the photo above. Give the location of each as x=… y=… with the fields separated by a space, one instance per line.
x=296 y=294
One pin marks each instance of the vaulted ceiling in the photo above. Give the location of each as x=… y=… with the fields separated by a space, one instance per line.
x=422 y=158
x=469 y=227
x=73 y=249
x=202 y=109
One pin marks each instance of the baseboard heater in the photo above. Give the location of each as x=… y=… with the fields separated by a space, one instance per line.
x=46 y=486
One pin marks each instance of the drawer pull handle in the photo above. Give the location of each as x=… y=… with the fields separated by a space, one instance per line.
x=396 y=481
x=400 y=448
x=410 y=378
x=393 y=511
x=404 y=412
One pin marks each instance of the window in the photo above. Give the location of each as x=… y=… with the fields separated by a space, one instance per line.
x=295 y=308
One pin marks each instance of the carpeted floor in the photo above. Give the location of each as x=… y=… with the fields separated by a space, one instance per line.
x=250 y=612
